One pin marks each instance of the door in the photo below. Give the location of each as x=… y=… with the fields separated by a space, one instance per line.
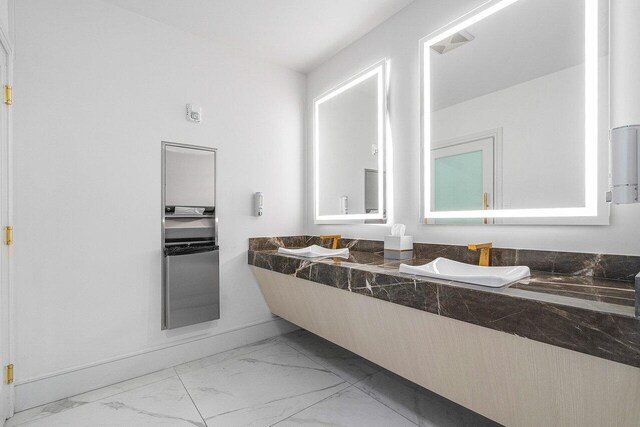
x=6 y=390
x=462 y=177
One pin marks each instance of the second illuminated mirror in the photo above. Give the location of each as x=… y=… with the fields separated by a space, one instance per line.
x=515 y=114
x=349 y=150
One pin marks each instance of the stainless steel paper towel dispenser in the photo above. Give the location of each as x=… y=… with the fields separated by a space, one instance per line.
x=190 y=269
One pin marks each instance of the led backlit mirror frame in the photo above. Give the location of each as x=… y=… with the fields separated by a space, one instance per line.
x=591 y=120
x=380 y=70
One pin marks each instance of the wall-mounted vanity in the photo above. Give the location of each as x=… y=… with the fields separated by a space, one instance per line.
x=561 y=347
x=513 y=129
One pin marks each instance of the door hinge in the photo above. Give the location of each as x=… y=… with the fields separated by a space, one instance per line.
x=9 y=373
x=8 y=94
x=8 y=235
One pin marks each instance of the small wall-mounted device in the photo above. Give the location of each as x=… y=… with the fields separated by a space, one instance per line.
x=625 y=164
x=344 y=205
x=258 y=201
x=194 y=113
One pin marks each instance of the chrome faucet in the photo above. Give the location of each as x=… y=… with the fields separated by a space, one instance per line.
x=485 y=252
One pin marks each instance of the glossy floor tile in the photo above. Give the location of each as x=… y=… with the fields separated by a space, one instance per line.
x=260 y=388
x=295 y=379
x=163 y=403
x=88 y=397
x=350 y=407
x=347 y=365
x=419 y=405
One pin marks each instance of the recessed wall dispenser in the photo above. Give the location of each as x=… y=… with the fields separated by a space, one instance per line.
x=190 y=273
x=625 y=164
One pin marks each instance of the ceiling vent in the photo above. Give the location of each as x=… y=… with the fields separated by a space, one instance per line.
x=452 y=42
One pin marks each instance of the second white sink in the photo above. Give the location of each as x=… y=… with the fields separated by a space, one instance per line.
x=446 y=269
x=315 y=251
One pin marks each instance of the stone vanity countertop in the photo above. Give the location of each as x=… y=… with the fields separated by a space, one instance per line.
x=586 y=314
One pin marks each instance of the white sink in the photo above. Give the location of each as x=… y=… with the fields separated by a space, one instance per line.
x=443 y=268
x=315 y=251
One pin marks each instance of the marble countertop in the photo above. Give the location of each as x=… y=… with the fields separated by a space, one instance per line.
x=603 y=295
x=591 y=315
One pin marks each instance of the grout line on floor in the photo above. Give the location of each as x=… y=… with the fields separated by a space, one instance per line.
x=273 y=341
x=313 y=404
x=316 y=361
x=204 y=422
x=347 y=384
x=418 y=385
x=319 y=362
x=378 y=400
x=340 y=391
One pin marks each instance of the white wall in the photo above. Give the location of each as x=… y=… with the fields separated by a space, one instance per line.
x=4 y=15
x=99 y=89
x=397 y=39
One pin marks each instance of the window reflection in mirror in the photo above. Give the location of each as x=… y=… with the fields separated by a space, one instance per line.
x=512 y=107
x=349 y=149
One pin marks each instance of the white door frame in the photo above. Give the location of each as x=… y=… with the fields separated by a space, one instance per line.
x=6 y=216
x=496 y=134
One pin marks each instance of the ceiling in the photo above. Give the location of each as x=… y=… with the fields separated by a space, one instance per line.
x=297 y=34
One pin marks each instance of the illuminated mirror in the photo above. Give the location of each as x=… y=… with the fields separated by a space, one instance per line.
x=515 y=115
x=349 y=150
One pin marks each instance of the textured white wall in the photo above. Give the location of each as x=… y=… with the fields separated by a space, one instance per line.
x=625 y=63
x=100 y=88
x=398 y=39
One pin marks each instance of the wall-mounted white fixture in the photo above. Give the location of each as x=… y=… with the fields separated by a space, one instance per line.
x=625 y=164
x=258 y=199
x=344 y=205
x=194 y=113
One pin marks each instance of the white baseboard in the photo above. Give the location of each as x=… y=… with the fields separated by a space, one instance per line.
x=70 y=382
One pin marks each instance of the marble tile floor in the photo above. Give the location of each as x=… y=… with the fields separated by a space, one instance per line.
x=297 y=379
